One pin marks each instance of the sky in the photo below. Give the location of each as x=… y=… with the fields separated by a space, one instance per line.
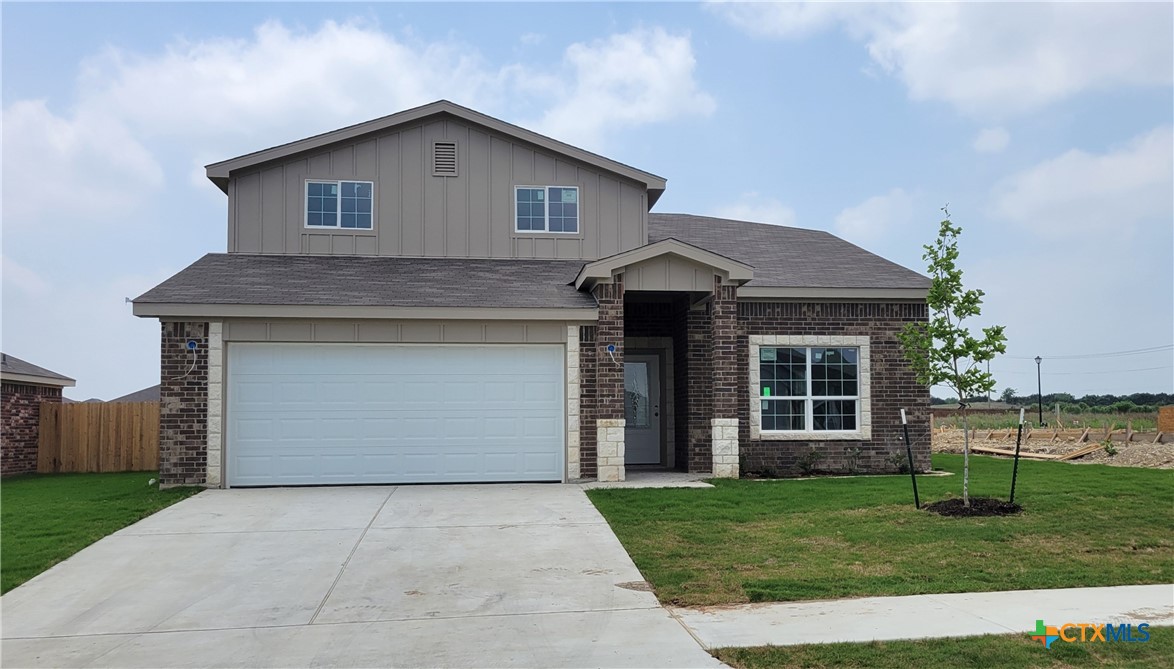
x=1045 y=129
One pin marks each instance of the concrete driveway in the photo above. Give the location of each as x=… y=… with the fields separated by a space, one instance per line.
x=470 y=575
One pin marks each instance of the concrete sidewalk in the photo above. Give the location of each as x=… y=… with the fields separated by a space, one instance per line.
x=925 y=616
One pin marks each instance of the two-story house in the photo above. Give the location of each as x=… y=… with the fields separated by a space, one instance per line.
x=440 y=296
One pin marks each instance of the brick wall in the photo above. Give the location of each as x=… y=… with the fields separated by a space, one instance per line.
x=587 y=399
x=724 y=346
x=699 y=386
x=183 y=404
x=893 y=386
x=681 y=385
x=609 y=375
x=20 y=423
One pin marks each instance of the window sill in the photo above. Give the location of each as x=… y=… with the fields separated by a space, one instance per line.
x=339 y=231
x=863 y=434
x=531 y=234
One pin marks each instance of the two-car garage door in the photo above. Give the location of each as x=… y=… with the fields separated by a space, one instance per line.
x=301 y=414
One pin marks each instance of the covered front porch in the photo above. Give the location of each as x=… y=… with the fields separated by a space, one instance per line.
x=660 y=369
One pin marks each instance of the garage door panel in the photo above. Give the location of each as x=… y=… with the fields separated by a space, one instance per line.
x=321 y=414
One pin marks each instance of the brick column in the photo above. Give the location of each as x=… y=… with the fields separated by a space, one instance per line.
x=609 y=381
x=21 y=425
x=574 y=384
x=183 y=405
x=700 y=390
x=724 y=379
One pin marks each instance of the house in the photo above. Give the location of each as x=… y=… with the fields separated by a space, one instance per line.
x=440 y=296
x=150 y=394
x=23 y=388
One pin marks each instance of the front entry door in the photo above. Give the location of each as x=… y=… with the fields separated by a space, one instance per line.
x=642 y=409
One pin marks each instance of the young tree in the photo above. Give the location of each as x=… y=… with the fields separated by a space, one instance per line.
x=942 y=351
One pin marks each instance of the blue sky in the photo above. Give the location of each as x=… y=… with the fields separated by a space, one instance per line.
x=1047 y=129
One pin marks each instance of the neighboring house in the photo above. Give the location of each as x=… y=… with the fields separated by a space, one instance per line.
x=23 y=387
x=145 y=395
x=439 y=296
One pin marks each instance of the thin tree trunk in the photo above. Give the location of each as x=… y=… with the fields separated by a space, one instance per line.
x=965 y=461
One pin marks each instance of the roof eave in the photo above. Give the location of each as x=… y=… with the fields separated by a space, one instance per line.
x=178 y=310
x=832 y=293
x=38 y=380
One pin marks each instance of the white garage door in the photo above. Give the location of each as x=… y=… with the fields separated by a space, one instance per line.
x=343 y=413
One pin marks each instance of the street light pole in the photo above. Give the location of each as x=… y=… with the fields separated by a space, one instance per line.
x=1039 y=389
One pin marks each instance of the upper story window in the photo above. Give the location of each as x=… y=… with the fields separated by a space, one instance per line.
x=546 y=209
x=339 y=204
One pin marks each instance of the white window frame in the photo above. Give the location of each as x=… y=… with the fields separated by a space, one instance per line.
x=546 y=212
x=338 y=211
x=863 y=429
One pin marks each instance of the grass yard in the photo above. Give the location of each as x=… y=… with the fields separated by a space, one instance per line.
x=761 y=541
x=1012 y=650
x=45 y=518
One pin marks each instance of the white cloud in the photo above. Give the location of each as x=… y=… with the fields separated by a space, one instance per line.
x=644 y=76
x=78 y=170
x=785 y=19
x=754 y=207
x=1079 y=193
x=991 y=140
x=990 y=59
x=224 y=97
x=877 y=217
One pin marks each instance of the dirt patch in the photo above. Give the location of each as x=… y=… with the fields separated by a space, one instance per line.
x=1132 y=454
x=979 y=506
x=640 y=586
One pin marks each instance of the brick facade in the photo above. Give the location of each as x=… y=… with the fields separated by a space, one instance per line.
x=183 y=404
x=587 y=401
x=609 y=375
x=20 y=425
x=710 y=386
x=699 y=388
x=893 y=387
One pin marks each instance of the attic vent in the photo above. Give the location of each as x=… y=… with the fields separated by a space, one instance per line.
x=444 y=159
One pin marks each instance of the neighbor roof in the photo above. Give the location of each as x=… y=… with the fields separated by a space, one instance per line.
x=145 y=395
x=218 y=173
x=786 y=257
x=14 y=369
x=357 y=281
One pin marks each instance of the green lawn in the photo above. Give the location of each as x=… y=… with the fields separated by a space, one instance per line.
x=46 y=518
x=757 y=541
x=1013 y=650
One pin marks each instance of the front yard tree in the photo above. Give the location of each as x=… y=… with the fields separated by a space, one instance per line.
x=942 y=351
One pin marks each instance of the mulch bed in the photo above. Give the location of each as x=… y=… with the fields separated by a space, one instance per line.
x=979 y=506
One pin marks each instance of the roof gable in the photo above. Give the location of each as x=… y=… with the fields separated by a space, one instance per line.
x=602 y=269
x=219 y=172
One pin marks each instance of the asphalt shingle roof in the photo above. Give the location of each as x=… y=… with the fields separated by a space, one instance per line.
x=780 y=256
x=786 y=257
x=13 y=365
x=237 y=278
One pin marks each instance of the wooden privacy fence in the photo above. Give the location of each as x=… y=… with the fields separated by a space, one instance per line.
x=99 y=437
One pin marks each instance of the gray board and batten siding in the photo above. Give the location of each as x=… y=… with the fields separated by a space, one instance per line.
x=419 y=214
